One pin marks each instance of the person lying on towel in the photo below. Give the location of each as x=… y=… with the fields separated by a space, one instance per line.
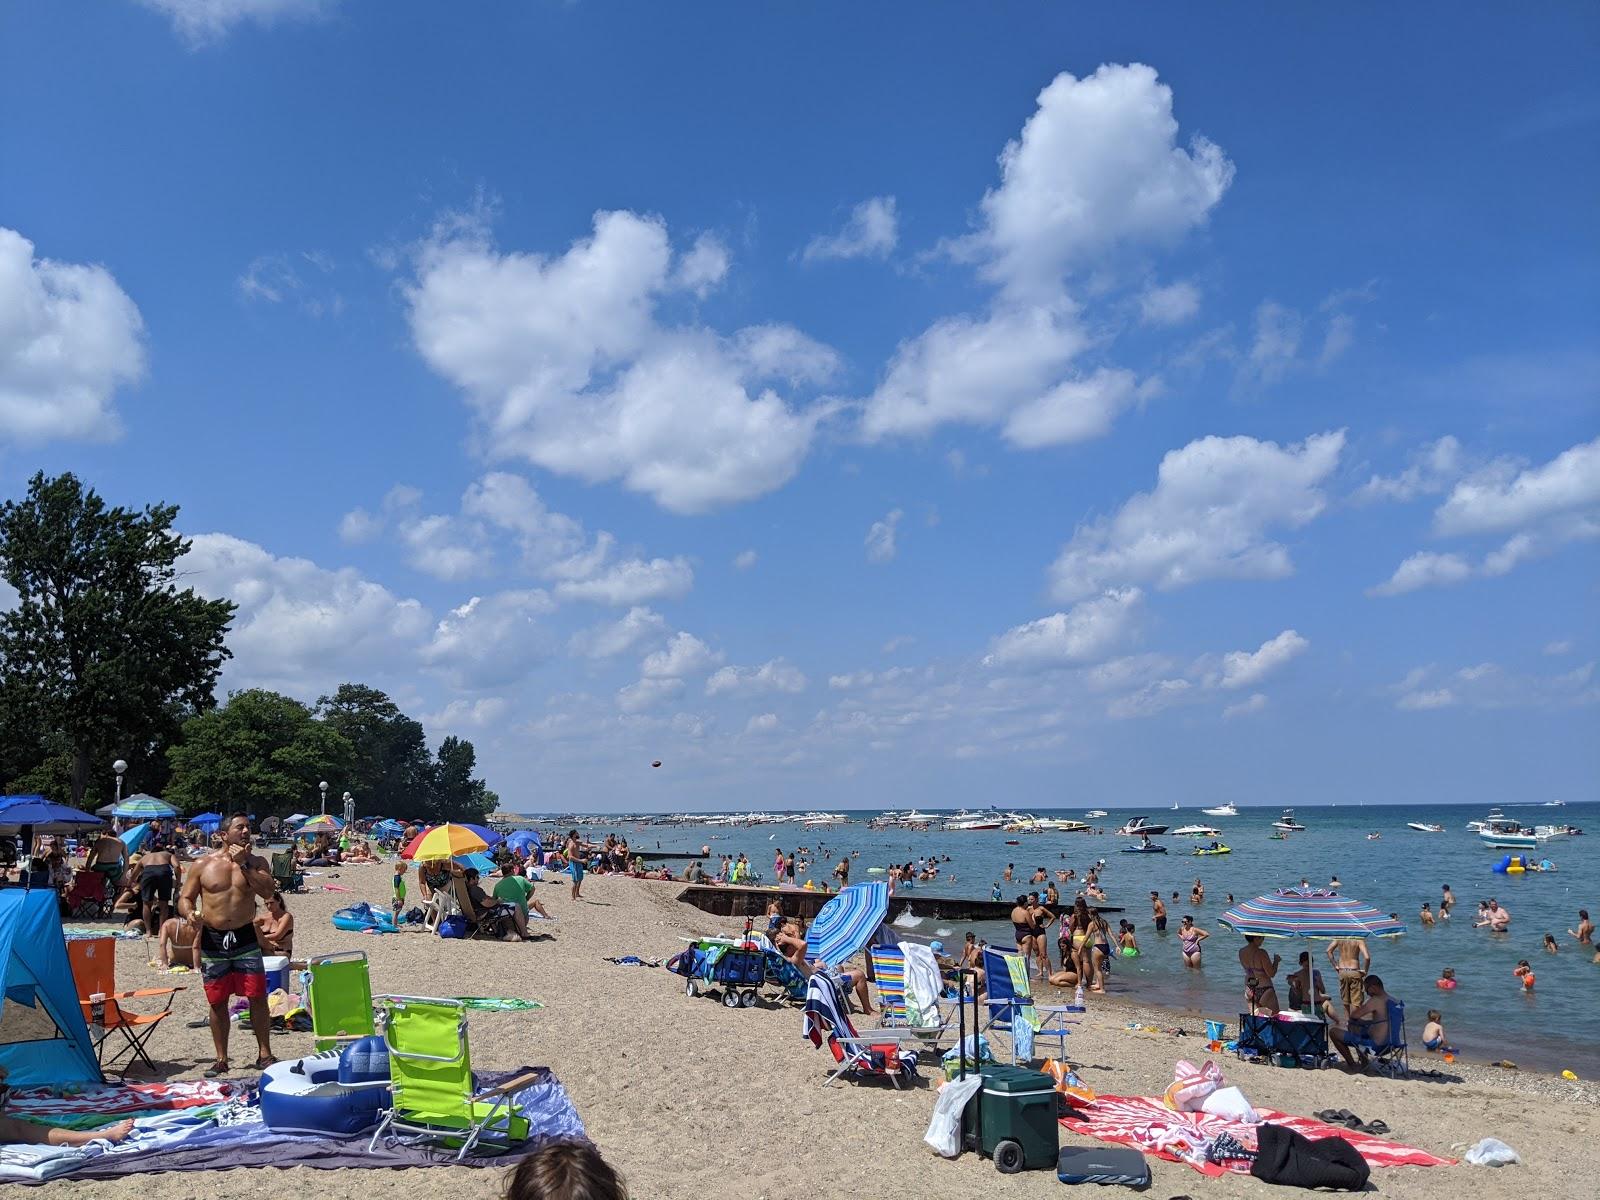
x=14 y=1132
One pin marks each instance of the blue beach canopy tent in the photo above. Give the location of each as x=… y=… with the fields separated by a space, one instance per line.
x=43 y=1038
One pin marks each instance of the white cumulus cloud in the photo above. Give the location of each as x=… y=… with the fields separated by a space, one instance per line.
x=880 y=539
x=1089 y=632
x=1424 y=569
x=491 y=641
x=69 y=337
x=762 y=723
x=1209 y=516
x=1172 y=304
x=684 y=655
x=1254 y=704
x=611 y=638
x=200 y=22
x=1431 y=470
x=1501 y=498
x=566 y=364
x=744 y=560
x=1246 y=668
x=871 y=232
x=775 y=675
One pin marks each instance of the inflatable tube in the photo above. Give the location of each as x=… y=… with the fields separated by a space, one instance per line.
x=1130 y=952
x=1444 y=983
x=1516 y=869
x=305 y=1095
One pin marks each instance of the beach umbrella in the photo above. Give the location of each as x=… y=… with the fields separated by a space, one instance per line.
x=388 y=828
x=326 y=823
x=206 y=821
x=294 y=818
x=478 y=861
x=144 y=806
x=847 y=922
x=44 y=816
x=443 y=841
x=489 y=836
x=135 y=837
x=1311 y=913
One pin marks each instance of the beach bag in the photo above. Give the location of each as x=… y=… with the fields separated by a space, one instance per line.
x=453 y=926
x=944 y=1130
x=1103 y=1164
x=1286 y=1157
x=1191 y=1085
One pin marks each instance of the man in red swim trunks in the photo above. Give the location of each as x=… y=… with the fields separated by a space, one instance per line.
x=226 y=886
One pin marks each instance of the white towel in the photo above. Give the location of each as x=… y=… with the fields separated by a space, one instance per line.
x=922 y=986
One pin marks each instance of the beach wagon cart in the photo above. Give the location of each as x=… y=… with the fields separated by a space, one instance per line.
x=738 y=967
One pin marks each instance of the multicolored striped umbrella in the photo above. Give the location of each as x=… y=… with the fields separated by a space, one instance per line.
x=443 y=841
x=326 y=823
x=1293 y=913
x=847 y=922
x=145 y=807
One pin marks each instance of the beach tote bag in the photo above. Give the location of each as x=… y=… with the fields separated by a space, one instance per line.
x=453 y=926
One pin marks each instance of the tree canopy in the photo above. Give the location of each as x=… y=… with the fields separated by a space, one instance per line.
x=103 y=655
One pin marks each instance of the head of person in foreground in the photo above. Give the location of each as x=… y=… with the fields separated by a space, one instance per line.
x=565 y=1171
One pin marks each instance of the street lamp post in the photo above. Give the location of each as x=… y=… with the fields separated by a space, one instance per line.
x=119 y=767
x=323 y=788
x=349 y=809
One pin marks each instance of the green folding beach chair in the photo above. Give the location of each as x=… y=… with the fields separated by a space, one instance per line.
x=430 y=1073
x=340 y=998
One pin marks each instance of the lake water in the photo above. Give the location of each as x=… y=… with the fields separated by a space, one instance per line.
x=1488 y=1016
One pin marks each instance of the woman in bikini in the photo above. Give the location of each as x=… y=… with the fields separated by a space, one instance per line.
x=1022 y=926
x=1189 y=939
x=1260 y=994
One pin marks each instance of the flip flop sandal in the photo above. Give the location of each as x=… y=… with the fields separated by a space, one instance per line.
x=199 y=1023
x=216 y=1070
x=1327 y=1114
x=1375 y=1128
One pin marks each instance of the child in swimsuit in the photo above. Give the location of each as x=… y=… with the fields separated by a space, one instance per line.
x=1433 y=1035
x=399 y=889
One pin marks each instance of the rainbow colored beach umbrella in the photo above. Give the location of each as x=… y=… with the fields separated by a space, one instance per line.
x=443 y=841
x=847 y=922
x=326 y=823
x=1292 y=913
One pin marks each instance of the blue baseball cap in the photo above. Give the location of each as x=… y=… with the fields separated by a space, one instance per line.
x=936 y=946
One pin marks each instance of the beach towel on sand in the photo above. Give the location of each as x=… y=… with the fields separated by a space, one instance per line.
x=499 y=1003
x=1147 y=1124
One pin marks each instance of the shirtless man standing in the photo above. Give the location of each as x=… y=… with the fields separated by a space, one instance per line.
x=159 y=872
x=226 y=884
x=109 y=856
x=1350 y=958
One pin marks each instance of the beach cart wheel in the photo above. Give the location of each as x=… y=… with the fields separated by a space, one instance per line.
x=730 y=998
x=1008 y=1157
x=748 y=999
x=688 y=987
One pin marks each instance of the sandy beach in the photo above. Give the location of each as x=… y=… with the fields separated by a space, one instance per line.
x=688 y=1098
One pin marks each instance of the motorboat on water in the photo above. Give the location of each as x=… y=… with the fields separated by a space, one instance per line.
x=1477 y=826
x=1421 y=827
x=1222 y=810
x=1554 y=804
x=1507 y=834
x=1097 y=812
x=1139 y=827
x=1063 y=825
x=1209 y=831
x=1287 y=823
x=967 y=822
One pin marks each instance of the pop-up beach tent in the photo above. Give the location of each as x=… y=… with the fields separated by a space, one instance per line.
x=43 y=1038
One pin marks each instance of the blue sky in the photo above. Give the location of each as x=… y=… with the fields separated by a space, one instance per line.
x=846 y=405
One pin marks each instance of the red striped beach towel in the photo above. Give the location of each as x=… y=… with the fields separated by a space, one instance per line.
x=117 y=1101
x=1147 y=1124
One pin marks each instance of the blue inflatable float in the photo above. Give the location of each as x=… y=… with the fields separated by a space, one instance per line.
x=338 y=1091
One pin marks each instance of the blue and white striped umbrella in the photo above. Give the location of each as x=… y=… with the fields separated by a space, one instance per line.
x=847 y=922
x=1291 y=913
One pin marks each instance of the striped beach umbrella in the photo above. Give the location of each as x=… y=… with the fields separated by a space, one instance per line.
x=145 y=807
x=1313 y=913
x=489 y=836
x=442 y=841
x=847 y=922
x=326 y=823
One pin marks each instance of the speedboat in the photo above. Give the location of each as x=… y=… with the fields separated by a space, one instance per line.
x=1477 y=826
x=965 y=822
x=1139 y=826
x=1422 y=828
x=1222 y=810
x=1555 y=804
x=1062 y=825
x=1507 y=834
x=1197 y=831
x=1287 y=823
x=1097 y=812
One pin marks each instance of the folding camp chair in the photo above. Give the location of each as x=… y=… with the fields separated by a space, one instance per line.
x=94 y=971
x=876 y=1053
x=285 y=874
x=1389 y=1056
x=340 y=998
x=899 y=1009
x=1010 y=999
x=430 y=1072
x=490 y=926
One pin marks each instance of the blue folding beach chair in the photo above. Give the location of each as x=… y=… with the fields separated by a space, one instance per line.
x=1389 y=1056
x=1010 y=1001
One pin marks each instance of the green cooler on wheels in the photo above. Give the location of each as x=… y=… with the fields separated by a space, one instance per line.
x=1012 y=1119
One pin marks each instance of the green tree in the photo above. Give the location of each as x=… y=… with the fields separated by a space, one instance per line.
x=457 y=796
x=260 y=752
x=102 y=648
x=392 y=772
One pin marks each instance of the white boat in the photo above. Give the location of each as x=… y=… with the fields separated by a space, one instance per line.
x=814 y=819
x=1197 y=831
x=1421 y=828
x=1494 y=815
x=1097 y=812
x=1222 y=810
x=1174 y=806
x=1507 y=835
x=1554 y=804
x=1287 y=823
x=1139 y=826
x=967 y=822
x=1064 y=825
